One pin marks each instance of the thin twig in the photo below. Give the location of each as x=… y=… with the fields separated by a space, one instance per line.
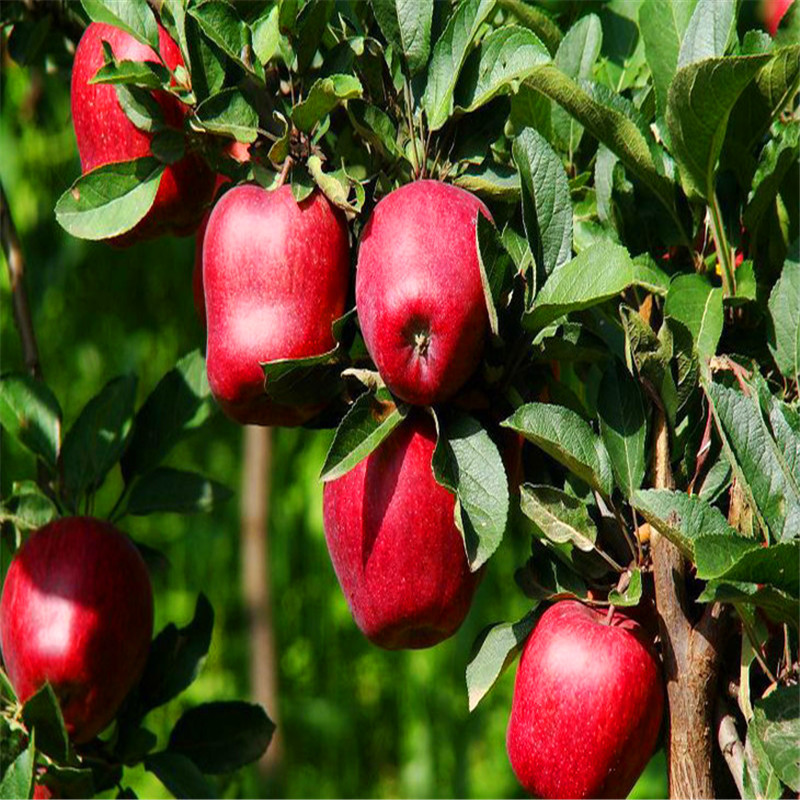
x=16 y=275
x=730 y=744
x=412 y=133
x=287 y=165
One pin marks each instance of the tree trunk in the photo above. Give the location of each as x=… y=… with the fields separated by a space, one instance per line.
x=256 y=482
x=691 y=656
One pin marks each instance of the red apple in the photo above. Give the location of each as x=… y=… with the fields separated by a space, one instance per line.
x=418 y=290
x=77 y=610
x=773 y=12
x=105 y=134
x=588 y=702
x=275 y=275
x=238 y=152
x=392 y=538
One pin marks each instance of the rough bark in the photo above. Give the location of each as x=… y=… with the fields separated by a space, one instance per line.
x=256 y=482
x=691 y=656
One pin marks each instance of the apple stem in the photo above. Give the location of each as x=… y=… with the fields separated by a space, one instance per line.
x=610 y=615
x=285 y=167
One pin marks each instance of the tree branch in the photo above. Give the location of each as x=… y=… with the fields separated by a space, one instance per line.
x=19 y=296
x=691 y=655
x=730 y=744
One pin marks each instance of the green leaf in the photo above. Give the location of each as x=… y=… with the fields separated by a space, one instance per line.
x=6 y=689
x=406 y=24
x=498 y=63
x=772 y=90
x=325 y=94
x=632 y=593
x=168 y=146
x=140 y=107
x=745 y=560
x=717 y=480
x=495 y=181
x=179 y=774
x=132 y=16
x=559 y=517
x=98 y=438
x=567 y=438
x=175 y=491
x=42 y=713
x=680 y=517
x=230 y=113
x=68 y=781
x=175 y=657
x=28 y=508
x=595 y=275
x=777 y=157
x=311 y=24
x=575 y=58
x=697 y=306
x=223 y=26
x=783 y=324
x=375 y=126
x=145 y=74
x=302 y=183
x=208 y=62
x=623 y=426
x=369 y=422
x=449 y=55
x=785 y=424
x=608 y=125
x=222 y=736
x=17 y=782
x=710 y=29
x=111 y=199
x=546 y=206
x=336 y=185
x=467 y=462
x=652 y=356
x=266 y=35
x=496 y=268
x=547 y=578
x=700 y=101
x=303 y=381
x=776 y=724
x=662 y=24
x=495 y=650
x=759 y=779
x=30 y=413
x=770 y=484
x=287 y=15
x=180 y=404
x=535 y=19
x=780 y=606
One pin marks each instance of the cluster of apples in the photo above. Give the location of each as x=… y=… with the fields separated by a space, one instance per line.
x=271 y=276
x=275 y=275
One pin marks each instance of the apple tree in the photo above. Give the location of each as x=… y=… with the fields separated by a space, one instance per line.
x=537 y=267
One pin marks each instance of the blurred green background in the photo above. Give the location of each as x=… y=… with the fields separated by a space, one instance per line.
x=354 y=721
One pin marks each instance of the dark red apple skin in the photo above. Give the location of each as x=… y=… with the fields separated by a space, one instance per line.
x=77 y=610
x=394 y=545
x=240 y=152
x=275 y=276
x=105 y=135
x=587 y=707
x=418 y=280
